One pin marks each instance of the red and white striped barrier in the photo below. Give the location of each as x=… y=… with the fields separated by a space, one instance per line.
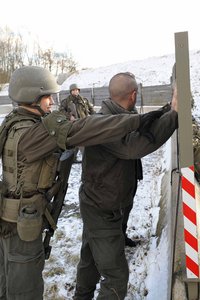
x=190 y=222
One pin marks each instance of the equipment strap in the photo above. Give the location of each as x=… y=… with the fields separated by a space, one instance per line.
x=50 y=219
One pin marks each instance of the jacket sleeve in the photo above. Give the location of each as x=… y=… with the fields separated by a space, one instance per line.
x=92 y=130
x=99 y=129
x=134 y=145
x=56 y=131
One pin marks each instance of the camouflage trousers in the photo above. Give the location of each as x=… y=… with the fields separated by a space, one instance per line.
x=102 y=256
x=21 y=266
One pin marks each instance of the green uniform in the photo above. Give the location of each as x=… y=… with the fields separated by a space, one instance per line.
x=28 y=145
x=78 y=106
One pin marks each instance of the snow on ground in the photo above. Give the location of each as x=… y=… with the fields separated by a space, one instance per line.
x=147 y=262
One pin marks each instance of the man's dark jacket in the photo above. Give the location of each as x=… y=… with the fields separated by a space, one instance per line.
x=110 y=171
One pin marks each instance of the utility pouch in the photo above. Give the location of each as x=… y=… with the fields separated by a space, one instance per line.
x=29 y=223
x=30 y=218
x=48 y=171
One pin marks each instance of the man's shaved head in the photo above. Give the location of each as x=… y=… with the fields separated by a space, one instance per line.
x=121 y=85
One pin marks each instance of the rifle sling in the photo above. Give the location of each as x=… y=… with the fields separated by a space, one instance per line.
x=50 y=219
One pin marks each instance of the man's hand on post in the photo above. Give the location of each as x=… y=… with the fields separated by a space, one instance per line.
x=174 y=103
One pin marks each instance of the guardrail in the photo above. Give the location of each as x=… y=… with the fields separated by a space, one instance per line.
x=156 y=95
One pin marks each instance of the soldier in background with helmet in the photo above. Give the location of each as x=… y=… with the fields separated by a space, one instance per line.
x=75 y=104
x=31 y=140
x=78 y=107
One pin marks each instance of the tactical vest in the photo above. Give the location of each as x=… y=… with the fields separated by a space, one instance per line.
x=23 y=180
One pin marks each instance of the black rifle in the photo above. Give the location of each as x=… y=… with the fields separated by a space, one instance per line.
x=56 y=197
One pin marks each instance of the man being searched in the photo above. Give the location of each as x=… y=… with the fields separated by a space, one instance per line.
x=77 y=106
x=32 y=139
x=109 y=182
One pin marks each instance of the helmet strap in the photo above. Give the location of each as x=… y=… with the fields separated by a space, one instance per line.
x=40 y=110
x=38 y=107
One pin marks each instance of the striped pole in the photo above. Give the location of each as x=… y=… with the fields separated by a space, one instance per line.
x=186 y=160
x=190 y=222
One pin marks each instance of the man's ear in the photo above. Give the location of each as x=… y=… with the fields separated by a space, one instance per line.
x=134 y=95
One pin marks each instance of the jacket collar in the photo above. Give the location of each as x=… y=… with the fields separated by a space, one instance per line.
x=24 y=112
x=110 y=107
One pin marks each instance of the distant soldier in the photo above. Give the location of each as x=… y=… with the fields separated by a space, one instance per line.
x=77 y=105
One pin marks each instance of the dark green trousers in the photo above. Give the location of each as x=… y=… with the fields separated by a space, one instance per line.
x=21 y=266
x=102 y=256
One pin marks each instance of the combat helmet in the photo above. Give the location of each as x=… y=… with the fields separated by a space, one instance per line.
x=28 y=84
x=74 y=86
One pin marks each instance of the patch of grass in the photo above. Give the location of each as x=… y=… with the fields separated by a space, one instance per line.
x=74 y=259
x=54 y=271
x=52 y=293
x=59 y=234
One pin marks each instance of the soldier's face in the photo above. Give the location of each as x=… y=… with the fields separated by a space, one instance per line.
x=46 y=103
x=75 y=92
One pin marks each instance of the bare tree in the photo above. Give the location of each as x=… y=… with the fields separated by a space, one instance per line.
x=65 y=63
x=48 y=59
x=14 y=53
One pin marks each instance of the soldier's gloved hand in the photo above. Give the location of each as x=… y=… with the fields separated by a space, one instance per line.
x=146 y=121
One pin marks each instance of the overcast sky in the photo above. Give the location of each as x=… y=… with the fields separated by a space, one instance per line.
x=104 y=32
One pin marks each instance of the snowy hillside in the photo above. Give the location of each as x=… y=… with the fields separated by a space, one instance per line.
x=151 y=71
x=146 y=72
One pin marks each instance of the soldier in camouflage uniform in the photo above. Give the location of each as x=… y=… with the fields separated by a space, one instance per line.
x=31 y=141
x=77 y=106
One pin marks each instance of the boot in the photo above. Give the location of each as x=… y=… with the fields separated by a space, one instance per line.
x=131 y=243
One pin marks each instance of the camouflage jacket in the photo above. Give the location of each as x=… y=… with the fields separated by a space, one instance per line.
x=78 y=106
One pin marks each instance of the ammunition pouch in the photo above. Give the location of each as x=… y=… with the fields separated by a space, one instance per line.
x=48 y=171
x=27 y=213
x=29 y=223
x=10 y=208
